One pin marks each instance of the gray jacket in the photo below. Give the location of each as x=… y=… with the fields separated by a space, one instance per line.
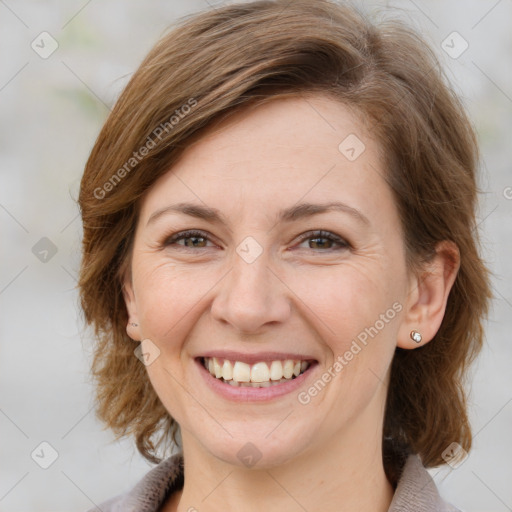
x=416 y=491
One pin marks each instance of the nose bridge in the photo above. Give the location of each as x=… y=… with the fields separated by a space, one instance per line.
x=251 y=295
x=250 y=274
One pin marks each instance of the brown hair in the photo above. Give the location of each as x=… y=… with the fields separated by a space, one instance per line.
x=219 y=61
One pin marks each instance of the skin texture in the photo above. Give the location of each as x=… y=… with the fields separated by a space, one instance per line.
x=311 y=297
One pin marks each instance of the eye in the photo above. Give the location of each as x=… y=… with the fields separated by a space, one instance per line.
x=198 y=239
x=319 y=238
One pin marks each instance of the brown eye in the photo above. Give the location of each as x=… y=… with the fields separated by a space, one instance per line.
x=324 y=240
x=197 y=239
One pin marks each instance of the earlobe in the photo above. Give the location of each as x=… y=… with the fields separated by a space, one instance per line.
x=428 y=296
x=132 y=328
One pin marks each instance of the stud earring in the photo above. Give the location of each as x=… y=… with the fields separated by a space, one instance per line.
x=416 y=336
x=134 y=324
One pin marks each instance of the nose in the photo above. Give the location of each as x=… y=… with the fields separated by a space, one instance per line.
x=251 y=296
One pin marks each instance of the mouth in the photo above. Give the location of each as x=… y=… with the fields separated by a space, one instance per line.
x=262 y=374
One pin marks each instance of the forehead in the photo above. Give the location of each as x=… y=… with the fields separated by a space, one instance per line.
x=310 y=148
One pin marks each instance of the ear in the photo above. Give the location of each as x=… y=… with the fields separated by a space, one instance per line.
x=133 y=327
x=428 y=295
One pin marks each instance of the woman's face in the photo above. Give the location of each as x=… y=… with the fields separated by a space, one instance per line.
x=256 y=282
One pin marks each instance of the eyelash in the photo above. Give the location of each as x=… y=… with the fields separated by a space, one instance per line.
x=310 y=235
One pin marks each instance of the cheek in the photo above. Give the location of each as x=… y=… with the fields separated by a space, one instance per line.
x=347 y=298
x=166 y=297
x=360 y=312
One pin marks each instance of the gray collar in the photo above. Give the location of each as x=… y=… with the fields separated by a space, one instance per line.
x=417 y=491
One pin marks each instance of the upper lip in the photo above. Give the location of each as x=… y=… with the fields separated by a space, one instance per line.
x=233 y=355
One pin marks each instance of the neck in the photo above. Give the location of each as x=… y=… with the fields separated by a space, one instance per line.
x=342 y=477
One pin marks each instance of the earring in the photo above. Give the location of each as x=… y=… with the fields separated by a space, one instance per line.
x=134 y=324
x=415 y=336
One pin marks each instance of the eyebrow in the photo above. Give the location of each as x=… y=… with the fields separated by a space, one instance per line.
x=294 y=213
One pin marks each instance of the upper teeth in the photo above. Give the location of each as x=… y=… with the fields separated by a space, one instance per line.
x=259 y=372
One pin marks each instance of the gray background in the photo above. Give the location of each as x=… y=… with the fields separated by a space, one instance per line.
x=51 y=112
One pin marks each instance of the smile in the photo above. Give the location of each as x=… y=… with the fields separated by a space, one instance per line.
x=258 y=375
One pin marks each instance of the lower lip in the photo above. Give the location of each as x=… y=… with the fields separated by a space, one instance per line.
x=250 y=394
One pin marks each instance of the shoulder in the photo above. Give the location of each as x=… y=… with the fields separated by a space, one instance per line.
x=416 y=491
x=151 y=491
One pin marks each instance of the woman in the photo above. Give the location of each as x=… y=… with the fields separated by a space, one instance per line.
x=280 y=212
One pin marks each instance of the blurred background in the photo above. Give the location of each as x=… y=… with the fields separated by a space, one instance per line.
x=62 y=66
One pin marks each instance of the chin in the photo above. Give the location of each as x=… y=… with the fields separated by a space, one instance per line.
x=255 y=452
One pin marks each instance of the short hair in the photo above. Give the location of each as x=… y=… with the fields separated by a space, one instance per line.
x=222 y=60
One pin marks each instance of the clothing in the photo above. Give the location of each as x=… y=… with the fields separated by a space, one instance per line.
x=415 y=492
